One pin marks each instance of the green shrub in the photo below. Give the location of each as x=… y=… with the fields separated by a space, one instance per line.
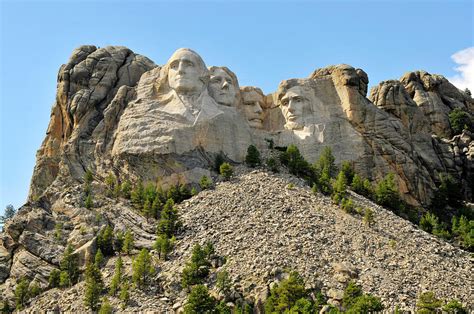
x=295 y=162
x=369 y=217
x=54 y=277
x=137 y=195
x=366 y=304
x=286 y=294
x=126 y=189
x=142 y=268
x=226 y=171
x=454 y=307
x=340 y=187
x=88 y=202
x=223 y=282
x=205 y=183
x=347 y=205
x=351 y=293
x=460 y=120
x=428 y=303
x=386 y=192
x=200 y=301
x=125 y=293
x=361 y=186
x=429 y=222
x=252 y=159
x=110 y=182
x=348 y=170
x=21 y=293
x=64 y=280
x=272 y=164
x=447 y=193
x=463 y=231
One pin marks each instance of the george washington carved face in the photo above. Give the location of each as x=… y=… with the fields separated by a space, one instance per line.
x=186 y=71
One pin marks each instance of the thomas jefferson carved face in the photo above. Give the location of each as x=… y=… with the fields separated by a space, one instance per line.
x=293 y=105
x=185 y=72
x=252 y=102
x=222 y=87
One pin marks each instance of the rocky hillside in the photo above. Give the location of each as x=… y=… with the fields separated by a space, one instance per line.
x=120 y=120
x=263 y=224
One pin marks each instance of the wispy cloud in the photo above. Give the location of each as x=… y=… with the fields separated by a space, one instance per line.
x=465 y=60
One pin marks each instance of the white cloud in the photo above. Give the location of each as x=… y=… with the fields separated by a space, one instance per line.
x=465 y=60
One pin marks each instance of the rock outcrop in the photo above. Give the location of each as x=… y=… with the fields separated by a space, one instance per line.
x=116 y=112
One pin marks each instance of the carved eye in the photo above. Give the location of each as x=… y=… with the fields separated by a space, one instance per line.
x=284 y=102
x=229 y=81
x=174 y=65
x=188 y=63
x=298 y=98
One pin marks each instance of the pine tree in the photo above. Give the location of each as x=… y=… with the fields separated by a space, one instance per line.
x=340 y=187
x=253 y=156
x=21 y=293
x=94 y=286
x=142 y=268
x=99 y=259
x=164 y=246
x=54 y=278
x=128 y=243
x=226 y=171
x=117 y=278
x=218 y=161
x=125 y=293
x=105 y=307
x=69 y=265
x=9 y=213
x=168 y=224
x=125 y=189
x=137 y=195
x=199 y=301
x=205 y=183
x=386 y=192
x=110 y=182
x=105 y=240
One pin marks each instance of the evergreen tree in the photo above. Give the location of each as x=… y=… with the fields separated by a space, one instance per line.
x=9 y=213
x=348 y=171
x=128 y=243
x=69 y=265
x=54 y=278
x=105 y=240
x=218 y=161
x=295 y=162
x=94 y=286
x=117 y=278
x=164 y=246
x=205 y=183
x=64 y=279
x=253 y=157
x=88 y=202
x=35 y=289
x=223 y=282
x=428 y=303
x=105 y=307
x=200 y=301
x=455 y=307
x=326 y=162
x=88 y=176
x=272 y=164
x=226 y=171
x=6 y=307
x=460 y=120
x=284 y=296
x=142 y=268
x=197 y=269
x=168 y=224
x=21 y=293
x=351 y=293
x=125 y=293
x=126 y=189
x=99 y=259
x=340 y=187
x=110 y=182
x=386 y=192
x=369 y=217
x=137 y=195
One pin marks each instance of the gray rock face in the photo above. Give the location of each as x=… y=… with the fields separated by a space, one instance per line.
x=117 y=112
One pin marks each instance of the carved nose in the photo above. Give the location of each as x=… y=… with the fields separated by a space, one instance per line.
x=180 y=68
x=258 y=108
x=225 y=85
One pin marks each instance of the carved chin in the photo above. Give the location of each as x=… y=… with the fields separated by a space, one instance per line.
x=291 y=125
x=256 y=123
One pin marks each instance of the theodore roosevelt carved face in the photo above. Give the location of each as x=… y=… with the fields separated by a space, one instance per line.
x=252 y=104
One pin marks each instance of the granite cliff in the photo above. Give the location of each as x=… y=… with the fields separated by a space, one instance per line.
x=118 y=113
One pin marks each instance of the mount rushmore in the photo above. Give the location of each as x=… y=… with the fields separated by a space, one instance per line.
x=117 y=111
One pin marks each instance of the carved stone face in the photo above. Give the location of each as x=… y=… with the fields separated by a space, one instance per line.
x=348 y=76
x=252 y=103
x=222 y=87
x=293 y=105
x=185 y=72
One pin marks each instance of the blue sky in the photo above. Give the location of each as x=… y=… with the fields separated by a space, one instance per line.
x=263 y=43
